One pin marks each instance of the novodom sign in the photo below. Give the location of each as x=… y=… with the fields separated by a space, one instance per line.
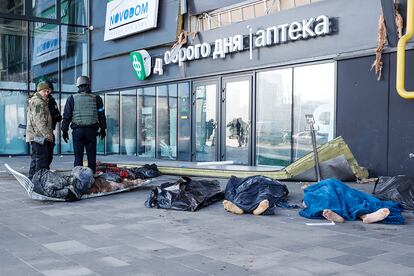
x=126 y=17
x=281 y=34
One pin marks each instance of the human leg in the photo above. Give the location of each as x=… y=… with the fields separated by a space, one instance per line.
x=232 y=208
x=332 y=216
x=78 y=146
x=91 y=147
x=41 y=153
x=33 y=161
x=379 y=215
x=263 y=206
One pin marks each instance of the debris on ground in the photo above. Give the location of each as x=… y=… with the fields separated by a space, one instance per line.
x=185 y=194
x=398 y=188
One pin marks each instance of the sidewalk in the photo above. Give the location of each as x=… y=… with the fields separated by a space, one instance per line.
x=118 y=235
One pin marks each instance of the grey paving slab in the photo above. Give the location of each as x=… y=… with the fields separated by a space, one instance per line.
x=349 y=259
x=118 y=235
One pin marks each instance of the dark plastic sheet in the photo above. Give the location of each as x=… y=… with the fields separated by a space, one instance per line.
x=249 y=192
x=185 y=194
x=398 y=188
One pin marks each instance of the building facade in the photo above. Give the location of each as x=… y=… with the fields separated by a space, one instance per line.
x=238 y=90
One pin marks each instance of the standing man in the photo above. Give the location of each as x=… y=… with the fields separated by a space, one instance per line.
x=56 y=117
x=86 y=113
x=39 y=132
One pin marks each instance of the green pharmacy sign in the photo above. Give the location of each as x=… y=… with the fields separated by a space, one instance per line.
x=141 y=62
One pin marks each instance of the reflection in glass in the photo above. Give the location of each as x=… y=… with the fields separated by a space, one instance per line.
x=44 y=52
x=13 y=54
x=274 y=117
x=65 y=148
x=100 y=144
x=167 y=121
x=112 y=121
x=74 y=12
x=237 y=121
x=12 y=7
x=206 y=121
x=184 y=122
x=44 y=8
x=129 y=122
x=146 y=122
x=74 y=56
x=314 y=90
x=12 y=115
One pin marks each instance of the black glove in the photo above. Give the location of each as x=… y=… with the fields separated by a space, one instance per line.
x=102 y=134
x=65 y=136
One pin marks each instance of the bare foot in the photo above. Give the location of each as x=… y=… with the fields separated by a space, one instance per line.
x=332 y=216
x=263 y=206
x=232 y=208
x=376 y=216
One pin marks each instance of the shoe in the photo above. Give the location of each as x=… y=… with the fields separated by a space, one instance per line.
x=98 y=174
x=72 y=190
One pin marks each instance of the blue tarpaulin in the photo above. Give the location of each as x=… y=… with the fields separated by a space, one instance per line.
x=349 y=203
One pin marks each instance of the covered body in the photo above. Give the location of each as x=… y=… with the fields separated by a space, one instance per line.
x=349 y=203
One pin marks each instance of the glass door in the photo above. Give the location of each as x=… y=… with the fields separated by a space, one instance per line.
x=236 y=110
x=205 y=110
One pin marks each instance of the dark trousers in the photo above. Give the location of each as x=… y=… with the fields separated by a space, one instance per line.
x=85 y=137
x=51 y=148
x=40 y=157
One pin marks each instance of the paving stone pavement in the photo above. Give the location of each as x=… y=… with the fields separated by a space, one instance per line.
x=118 y=235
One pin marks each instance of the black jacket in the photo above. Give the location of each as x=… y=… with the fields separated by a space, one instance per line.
x=54 y=111
x=68 y=113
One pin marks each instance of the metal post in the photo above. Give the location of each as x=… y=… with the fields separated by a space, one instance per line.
x=311 y=121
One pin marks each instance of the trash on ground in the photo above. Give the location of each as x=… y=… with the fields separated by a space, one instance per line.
x=350 y=204
x=321 y=224
x=247 y=193
x=398 y=188
x=185 y=194
x=335 y=161
x=115 y=173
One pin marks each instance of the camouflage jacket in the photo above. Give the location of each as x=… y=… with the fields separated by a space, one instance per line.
x=39 y=120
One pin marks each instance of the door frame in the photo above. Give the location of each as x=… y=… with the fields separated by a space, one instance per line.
x=195 y=83
x=252 y=112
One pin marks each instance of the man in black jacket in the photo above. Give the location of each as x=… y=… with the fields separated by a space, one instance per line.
x=56 y=118
x=85 y=113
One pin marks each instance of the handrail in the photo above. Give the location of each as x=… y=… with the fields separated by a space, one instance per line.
x=401 y=53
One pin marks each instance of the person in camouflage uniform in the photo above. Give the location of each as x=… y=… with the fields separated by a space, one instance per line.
x=39 y=132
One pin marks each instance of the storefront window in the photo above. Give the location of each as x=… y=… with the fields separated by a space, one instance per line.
x=129 y=122
x=314 y=93
x=12 y=121
x=74 y=11
x=146 y=122
x=112 y=121
x=167 y=121
x=13 y=54
x=44 y=8
x=274 y=117
x=184 y=122
x=66 y=148
x=12 y=7
x=44 y=52
x=206 y=121
x=74 y=56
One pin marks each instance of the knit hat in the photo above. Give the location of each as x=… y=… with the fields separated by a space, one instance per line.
x=42 y=85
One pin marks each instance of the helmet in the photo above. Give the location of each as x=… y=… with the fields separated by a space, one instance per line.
x=82 y=80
